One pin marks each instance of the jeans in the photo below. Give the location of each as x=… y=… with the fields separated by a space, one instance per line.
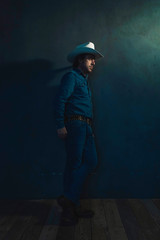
x=81 y=158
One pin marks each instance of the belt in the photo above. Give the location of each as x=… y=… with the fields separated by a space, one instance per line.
x=78 y=117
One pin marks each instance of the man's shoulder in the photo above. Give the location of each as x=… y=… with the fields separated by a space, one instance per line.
x=70 y=73
x=69 y=78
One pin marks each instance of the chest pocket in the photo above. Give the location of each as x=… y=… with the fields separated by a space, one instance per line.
x=82 y=88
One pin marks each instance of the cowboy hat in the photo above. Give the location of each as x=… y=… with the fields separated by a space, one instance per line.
x=88 y=47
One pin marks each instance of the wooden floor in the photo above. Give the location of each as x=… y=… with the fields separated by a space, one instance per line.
x=115 y=219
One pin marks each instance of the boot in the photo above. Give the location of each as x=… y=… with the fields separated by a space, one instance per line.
x=82 y=212
x=65 y=202
x=68 y=217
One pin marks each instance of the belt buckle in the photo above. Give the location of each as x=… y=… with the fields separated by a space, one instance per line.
x=80 y=118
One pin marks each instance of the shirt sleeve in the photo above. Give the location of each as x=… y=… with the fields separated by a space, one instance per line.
x=65 y=91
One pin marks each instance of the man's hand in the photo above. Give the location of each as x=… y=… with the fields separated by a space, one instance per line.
x=62 y=132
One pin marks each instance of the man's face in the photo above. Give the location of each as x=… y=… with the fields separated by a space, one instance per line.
x=88 y=63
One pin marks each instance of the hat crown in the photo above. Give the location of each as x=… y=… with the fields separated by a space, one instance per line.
x=85 y=48
x=86 y=45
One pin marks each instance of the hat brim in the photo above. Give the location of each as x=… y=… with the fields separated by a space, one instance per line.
x=71 y=57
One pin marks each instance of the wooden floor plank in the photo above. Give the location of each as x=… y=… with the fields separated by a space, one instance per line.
x=153 y=209
x=83 y=228
x=65 y=233
x=8 y=208
x=120 y=219
x=52 y=230
x=156 y=202
x=30 y=211
x=38 y=211
x=148 y=225
x=99 y=223
x=9 y=214
x=129 y=220
x=16 y=230
x=115 y=225
x=51 y=227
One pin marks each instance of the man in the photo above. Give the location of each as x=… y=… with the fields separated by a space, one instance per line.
x=74 y=125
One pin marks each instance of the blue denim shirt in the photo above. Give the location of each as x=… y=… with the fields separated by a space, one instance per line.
x=73 y=98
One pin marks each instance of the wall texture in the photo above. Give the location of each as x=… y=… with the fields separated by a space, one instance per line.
x=36 y=37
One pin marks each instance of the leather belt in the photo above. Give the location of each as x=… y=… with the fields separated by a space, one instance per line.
x=78 y=117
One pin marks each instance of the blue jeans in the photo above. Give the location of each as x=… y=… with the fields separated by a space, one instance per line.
x=81 y=158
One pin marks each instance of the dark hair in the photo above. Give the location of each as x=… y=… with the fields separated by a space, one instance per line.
x=78 y=59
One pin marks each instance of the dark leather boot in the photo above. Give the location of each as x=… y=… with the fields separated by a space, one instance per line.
x=83 y=213
x=65 y=202
x=68 y=216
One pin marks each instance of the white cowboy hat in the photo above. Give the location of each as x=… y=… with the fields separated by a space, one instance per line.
x=84 y=48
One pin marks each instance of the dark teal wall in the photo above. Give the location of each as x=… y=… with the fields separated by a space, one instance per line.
x=36 y=37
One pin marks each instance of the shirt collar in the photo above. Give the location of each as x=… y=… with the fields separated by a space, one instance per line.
x=80 y=72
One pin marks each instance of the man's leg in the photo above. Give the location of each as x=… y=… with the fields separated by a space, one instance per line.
x=75 y=172
x=90 y=153
x=81 y=159
x=90 y=163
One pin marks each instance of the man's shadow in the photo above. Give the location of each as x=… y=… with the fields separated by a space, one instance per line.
x=30 y=148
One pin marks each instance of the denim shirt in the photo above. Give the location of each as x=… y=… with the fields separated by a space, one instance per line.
x=73 y=98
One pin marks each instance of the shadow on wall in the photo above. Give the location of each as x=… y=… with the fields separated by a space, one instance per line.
x=28 y=135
